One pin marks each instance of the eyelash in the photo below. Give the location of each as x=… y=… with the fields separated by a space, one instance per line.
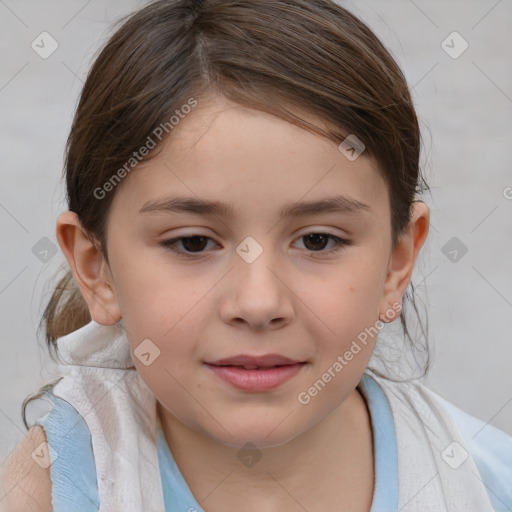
x=341 y=243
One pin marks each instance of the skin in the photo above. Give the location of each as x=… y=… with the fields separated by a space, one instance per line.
x=296 y=299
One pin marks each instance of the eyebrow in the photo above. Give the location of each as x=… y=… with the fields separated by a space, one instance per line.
x=338 y=204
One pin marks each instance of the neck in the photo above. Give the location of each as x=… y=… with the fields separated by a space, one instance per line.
x=335 y=453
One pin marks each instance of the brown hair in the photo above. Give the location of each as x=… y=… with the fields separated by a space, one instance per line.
x=313 y=55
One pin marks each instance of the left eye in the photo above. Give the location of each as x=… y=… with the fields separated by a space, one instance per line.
x=196 y=243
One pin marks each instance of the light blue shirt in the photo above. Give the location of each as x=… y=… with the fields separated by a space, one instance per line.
x=73 y=472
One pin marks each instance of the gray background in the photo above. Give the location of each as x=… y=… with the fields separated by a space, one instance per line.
x=465 y=108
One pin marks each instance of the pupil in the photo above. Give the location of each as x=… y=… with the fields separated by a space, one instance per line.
x=194 y=239
x=315 y=237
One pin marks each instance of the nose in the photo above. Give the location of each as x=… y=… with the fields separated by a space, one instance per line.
x=257 y=294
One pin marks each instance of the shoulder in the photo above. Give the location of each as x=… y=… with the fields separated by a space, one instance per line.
x=486 y=442
x=25 y=482
x=491 y=449
x=483 y=439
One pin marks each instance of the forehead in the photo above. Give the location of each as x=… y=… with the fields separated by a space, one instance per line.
x=222 y=151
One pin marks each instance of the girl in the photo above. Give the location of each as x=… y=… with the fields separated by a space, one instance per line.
x=243 y=181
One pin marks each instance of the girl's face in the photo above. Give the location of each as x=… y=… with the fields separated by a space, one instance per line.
x=256 y=283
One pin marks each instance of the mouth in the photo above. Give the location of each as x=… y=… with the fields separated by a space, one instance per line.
x=251 y=362
x=251 y=377
x=251 y=367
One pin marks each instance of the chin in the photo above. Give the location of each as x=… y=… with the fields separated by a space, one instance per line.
x=261 y=435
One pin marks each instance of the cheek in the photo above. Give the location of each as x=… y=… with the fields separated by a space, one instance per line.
x=346 y=295
x=162 y=313
x=341 y=313
x=165 y=363
x=152 y=294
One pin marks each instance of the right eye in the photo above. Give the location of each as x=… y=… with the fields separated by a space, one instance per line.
x=193 y=243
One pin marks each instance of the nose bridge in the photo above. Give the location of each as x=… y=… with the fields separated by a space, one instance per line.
x=257 y=292
x=256 y=262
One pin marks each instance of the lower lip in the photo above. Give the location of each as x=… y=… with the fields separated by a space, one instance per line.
x=256 y=380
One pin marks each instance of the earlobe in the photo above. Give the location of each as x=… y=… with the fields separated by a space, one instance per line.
x=89 y=268
x=403 y=259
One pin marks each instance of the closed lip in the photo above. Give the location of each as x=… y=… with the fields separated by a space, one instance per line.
x=263 y=361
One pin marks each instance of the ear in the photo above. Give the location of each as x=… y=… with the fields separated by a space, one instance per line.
x=89 y=268
x=402 y=260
